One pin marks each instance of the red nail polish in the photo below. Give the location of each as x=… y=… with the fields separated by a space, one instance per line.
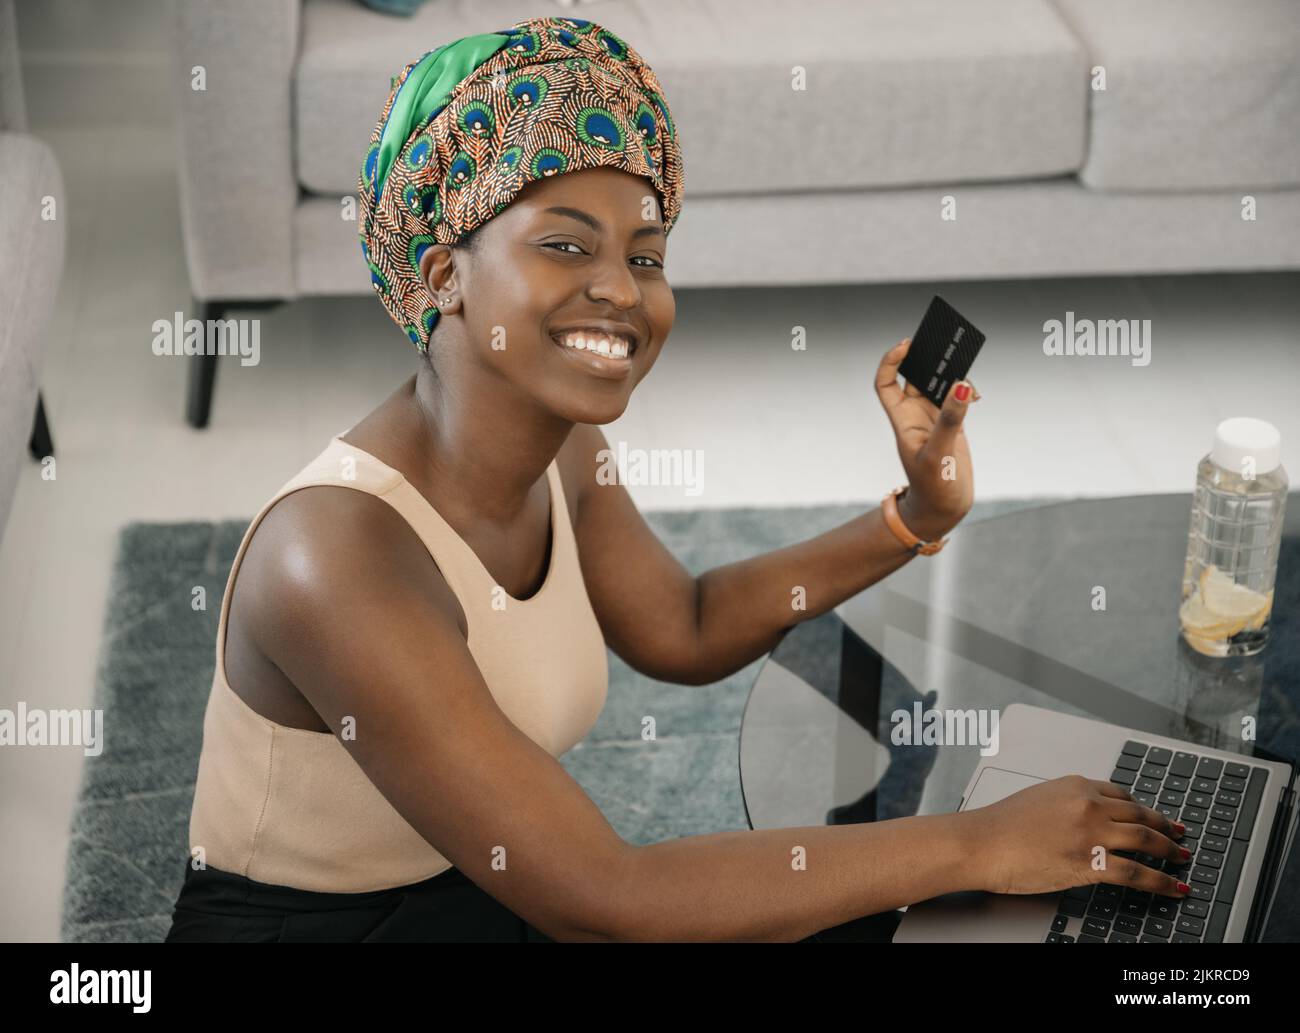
x=1180 y=826
x=1184 y=888
x=962 y=391
x=1184 y=853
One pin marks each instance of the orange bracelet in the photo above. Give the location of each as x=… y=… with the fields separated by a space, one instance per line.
x=889 y=508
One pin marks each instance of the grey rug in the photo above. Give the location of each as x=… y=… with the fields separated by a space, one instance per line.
x=130 y=829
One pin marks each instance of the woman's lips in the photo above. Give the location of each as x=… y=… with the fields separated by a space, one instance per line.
x=608 y=366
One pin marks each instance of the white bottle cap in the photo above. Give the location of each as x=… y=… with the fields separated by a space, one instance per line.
x=1247 y=447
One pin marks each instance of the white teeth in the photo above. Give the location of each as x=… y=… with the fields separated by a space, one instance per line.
x=614 y=347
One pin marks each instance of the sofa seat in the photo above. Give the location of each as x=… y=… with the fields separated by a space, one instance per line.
x=1200 y=94
x=899 y=92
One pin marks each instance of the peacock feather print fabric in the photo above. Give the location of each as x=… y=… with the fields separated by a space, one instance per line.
x=470 y=124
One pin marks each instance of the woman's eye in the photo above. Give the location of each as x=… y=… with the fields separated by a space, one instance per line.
x=652 y=263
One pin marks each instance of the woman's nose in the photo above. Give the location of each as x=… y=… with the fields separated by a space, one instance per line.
x=612 y=281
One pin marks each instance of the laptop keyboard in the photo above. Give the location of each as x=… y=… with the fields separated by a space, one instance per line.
x=1218 y=801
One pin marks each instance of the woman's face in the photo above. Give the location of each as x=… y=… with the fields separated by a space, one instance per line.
x=575 y=259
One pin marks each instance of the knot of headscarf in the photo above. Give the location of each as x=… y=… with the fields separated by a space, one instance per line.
x=470 y=124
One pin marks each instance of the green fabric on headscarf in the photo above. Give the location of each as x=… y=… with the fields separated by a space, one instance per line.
x=427 y=88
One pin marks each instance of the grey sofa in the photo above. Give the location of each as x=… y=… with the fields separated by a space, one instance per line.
x=913 y=110
x=31 y=263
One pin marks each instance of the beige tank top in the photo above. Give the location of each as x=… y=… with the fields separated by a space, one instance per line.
x=290 y=807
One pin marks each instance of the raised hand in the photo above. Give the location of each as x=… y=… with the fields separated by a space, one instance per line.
x=932 y=446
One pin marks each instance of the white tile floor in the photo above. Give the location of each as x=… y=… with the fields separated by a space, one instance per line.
x=776 y=426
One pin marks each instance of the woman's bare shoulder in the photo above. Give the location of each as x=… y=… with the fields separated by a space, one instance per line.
x=317 y=547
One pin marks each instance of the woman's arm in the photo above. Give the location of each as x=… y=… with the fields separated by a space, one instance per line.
x=744 y=607
x=695 y=630
x=355 y=613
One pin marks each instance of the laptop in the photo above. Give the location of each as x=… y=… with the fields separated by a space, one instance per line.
x=1240 y=818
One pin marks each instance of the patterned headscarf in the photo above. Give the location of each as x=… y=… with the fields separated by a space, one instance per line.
x=469 y=125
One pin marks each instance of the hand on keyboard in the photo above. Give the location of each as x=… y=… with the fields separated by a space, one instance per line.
x=1216 y=801
x=1052 y=835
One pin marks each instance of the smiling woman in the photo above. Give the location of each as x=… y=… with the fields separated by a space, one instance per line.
x=567 y=287
x=517 y=197
x=415 y=626
x=474 y=122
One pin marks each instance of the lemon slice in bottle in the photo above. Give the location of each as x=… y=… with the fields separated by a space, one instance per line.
x=1229 y=600
x=1207 y=646
x=1197 y=619
x=1257 y=621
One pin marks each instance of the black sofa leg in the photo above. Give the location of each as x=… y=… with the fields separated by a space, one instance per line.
x=203 y=372
x=41 y=444
x=203 y=368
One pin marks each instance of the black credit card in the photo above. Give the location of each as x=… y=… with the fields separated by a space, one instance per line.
x=942 y=352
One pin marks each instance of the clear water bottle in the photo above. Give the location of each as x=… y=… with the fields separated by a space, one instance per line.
x=1233 y=544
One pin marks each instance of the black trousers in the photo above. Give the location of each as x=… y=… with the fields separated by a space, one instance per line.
x=219 y=907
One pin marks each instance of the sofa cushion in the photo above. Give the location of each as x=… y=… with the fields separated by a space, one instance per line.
x=1200 y=94
x=898 y=91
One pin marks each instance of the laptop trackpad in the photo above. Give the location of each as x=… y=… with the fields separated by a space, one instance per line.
x=995 y=784
x=982 y=917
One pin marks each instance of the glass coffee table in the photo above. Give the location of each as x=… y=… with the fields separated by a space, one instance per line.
x=1008 y=612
